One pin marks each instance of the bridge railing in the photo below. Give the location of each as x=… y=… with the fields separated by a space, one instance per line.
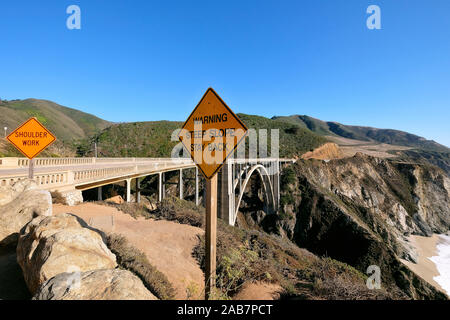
x=44 y=162
x=74 y=161
x=44 y=180
x=103 y=173
x=50 y=162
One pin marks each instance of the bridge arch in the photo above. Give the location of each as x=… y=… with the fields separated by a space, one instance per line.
x=267 y=185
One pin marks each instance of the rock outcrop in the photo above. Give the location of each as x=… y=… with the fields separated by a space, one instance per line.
x=361 y=210
x=19 y=204
x=72 y=197
x=49 y=246
x=326 y=151
x=94 y=285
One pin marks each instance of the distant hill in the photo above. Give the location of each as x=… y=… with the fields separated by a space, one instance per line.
x=133 y=139
x=65 y=123
x=388 y=136
x=153 y=138
x=76 y=132
x=294 y=140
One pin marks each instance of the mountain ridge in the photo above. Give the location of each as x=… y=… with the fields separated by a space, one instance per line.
x=64 y=122
x=77 y=131
x=364 y=133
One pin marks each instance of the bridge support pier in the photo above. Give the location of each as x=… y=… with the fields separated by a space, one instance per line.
x=99 y=194
x=128 y=183
x=276 y=185
x=181 y=183
x=138 y=191
x=226 y=199
x=160 y=186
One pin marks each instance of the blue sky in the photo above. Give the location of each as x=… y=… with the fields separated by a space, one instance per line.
x=153 y=60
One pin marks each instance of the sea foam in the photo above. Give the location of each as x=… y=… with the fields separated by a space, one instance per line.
x=442 y=262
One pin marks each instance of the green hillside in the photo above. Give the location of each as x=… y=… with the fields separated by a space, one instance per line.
x=388 y=136
x=294 y=140
x=133 y=139
x=153 y=139
x=65 y=123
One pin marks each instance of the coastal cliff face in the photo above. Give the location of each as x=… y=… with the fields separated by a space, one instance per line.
x=360 y=210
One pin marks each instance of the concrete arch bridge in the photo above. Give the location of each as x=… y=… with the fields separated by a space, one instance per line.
x=70 y=176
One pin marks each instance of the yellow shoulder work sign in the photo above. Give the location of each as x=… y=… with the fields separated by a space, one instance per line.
x=31 y=138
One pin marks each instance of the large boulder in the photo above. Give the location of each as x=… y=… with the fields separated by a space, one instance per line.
x=95 y=285
x=49 y=246
x=19 y=204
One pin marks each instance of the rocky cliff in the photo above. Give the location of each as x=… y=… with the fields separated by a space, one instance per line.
x=360 y=210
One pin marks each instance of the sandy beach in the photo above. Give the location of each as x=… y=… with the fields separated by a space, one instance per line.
x=425 y=268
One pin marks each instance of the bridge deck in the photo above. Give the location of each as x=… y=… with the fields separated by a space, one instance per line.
x=85 y=173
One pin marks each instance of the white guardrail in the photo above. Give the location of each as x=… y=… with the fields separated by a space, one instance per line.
x=74 y=176
x=77 y=176
x=49 y=162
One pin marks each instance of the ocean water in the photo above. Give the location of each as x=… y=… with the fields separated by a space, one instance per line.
x=442 y=261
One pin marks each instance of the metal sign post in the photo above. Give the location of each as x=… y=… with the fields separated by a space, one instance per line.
x=31 y=168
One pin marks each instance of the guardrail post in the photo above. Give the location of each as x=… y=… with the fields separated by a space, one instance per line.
x=70 y=177
x=181 y=183
x=160 y=186
x=138 y=191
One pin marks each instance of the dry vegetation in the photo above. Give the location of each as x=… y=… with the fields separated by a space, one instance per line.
x=134 y=209
x=250 y=255
x=57 y=197
x=132 y=259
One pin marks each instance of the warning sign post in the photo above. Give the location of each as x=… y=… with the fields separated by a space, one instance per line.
x=211 y=134
x=31 y=138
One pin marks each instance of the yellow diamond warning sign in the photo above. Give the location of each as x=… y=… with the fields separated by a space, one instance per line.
x=31 y=138
x=211 y=133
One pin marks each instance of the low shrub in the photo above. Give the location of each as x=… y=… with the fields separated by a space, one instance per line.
x=132 y=259
x=334 y=280
x=57 y=197
x=134 y=209
x=182 y=211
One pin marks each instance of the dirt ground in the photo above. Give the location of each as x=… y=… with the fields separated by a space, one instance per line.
x=259 y=291
x=167 y=245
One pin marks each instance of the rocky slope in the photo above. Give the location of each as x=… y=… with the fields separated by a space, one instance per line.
x=326 y=151
x=360 y=210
